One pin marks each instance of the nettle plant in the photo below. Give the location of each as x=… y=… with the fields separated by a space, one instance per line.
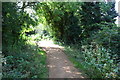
x=100 y=58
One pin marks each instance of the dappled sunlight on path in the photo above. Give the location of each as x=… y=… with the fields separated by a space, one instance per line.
x=58 y=63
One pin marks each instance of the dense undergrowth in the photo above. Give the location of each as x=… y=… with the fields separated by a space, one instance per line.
x=104 y=67
x=24 y=60
x=97 y=57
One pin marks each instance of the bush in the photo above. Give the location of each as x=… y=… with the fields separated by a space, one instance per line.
x=101 y=50
x=27 y=62
x=98 y=55
x=101 y=59
x=95 y=62
x=109 y=38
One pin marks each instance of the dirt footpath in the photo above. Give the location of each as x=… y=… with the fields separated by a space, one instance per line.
x=59 y=65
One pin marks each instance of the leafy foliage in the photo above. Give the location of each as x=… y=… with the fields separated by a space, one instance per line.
x=62 y=19
x=99 y=53
x=25 y=63
x=71 y=22
x=15 y=24
x=23 y=58
x=91 y=28
x=109 y=40
x=96 y=63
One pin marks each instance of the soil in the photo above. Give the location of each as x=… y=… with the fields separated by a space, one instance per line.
x=59 y=64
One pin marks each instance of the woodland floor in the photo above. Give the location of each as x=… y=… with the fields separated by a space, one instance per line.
x=58 y=63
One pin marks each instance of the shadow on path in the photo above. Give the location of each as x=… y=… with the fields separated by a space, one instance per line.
x=58 y=63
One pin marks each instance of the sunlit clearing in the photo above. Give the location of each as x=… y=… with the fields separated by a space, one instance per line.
x=48 y=43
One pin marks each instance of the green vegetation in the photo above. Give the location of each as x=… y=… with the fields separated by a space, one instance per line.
x=87 y=30
x=95 y=64
x=28 y=62
x=22 y=58
x=92 y=29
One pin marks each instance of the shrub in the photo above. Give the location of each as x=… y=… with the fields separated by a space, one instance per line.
x=27 y=62
x=109 y=38
x=101 y=59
